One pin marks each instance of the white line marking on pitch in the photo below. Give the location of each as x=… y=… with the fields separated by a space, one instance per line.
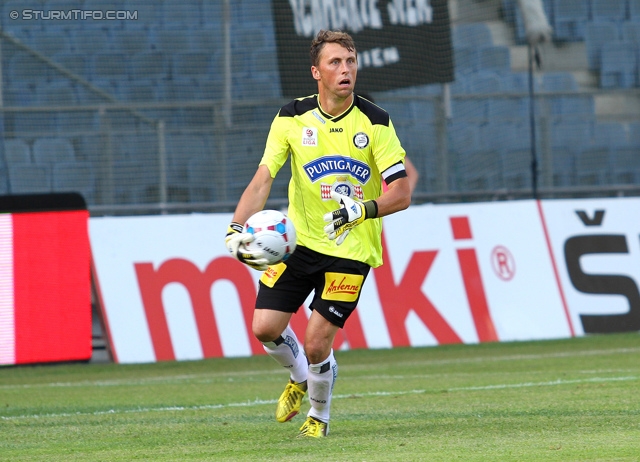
x=351 y=367
x=260 y=402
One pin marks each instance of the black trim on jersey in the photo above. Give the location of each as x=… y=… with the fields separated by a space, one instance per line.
x=376 y=114
x=396 y=176
x=299 y=106
x=331 y=118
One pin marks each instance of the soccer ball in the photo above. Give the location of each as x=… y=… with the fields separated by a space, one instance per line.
x=274 y=234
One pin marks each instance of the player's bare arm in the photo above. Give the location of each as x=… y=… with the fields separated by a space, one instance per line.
x=396 y=198
x=255 y=195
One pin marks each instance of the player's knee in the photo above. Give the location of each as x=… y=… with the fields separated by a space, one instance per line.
x=317 y=351
x=265 y=332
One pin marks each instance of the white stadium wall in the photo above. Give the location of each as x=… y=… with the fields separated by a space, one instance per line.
x=464 y=273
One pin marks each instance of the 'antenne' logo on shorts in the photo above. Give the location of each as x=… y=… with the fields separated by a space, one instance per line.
x=342 y=286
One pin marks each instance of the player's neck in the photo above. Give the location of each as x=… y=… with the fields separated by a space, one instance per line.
x=334 y=106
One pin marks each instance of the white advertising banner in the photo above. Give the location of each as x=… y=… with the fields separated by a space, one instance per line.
x=596 y=244
x=463 y=273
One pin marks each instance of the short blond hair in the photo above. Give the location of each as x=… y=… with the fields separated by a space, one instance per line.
x=329 y=36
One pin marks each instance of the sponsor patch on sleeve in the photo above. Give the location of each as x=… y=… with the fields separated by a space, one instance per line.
x=342 y=287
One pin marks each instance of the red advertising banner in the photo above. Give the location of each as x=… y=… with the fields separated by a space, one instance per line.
x=45 y=291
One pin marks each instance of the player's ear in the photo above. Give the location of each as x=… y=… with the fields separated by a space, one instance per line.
x=315 y=72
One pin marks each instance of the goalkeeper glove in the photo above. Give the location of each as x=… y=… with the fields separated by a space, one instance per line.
x=236 y=239
x=350 y=214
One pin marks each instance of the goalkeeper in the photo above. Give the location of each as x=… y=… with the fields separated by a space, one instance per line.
x=342 y=146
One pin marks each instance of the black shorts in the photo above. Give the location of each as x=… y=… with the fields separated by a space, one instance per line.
x=337 y=283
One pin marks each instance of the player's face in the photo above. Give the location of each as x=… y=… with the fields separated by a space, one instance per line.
x=336 y=70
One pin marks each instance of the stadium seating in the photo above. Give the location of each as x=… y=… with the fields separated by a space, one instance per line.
x=176 y=89
x=201 y=177
x=193 y=65
x=512 y=105
x=47 y=151
x=471 y=35
x=26 y=68
x=609 y=10
x=264 y=62
x=462 y=135
x=19 y=94
x=479 y=170
x=633 y=134
x=593 y=166
x=150 y=65
x=485 y=83
x=92 y=41
x=17 y=27
x=64 y=24
x=110 y=66
x=132 y=182
x=610 y=134
x=634 y=10
x=187 y=16
x=24 y=123
x=77 y=63
x=625 y=165
x=206 y=40
x=472 y=108
x=570 y=18
x=56 y=93
x=494 y=59
x=517 y=82
x=631 y=32
x=131 y=42
x=563 y=166
x=505 y=135
x=169 y=41
x=559 y=82
x=29 y=178
x=573 y=133
x=49 y=44
x=596 y=35
x=517 y=168
x=172 y=56
x=569 y=100
x=139 y=92
x=180 y=149
x=149 y=15
x=618 y=66
x=75 y=177
x=16 y=151
x=466 y=59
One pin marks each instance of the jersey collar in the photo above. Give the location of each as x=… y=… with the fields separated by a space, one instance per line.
x=337 y=118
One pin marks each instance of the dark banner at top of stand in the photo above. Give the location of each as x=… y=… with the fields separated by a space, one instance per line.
x=400 y=43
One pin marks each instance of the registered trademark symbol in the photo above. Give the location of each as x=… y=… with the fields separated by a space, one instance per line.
x=503 y=263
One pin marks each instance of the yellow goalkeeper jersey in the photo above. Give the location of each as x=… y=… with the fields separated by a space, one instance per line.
x=347 y=153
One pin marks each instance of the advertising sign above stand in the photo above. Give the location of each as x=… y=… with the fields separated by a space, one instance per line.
x=408 y=39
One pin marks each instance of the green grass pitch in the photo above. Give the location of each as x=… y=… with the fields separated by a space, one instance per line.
x=561 y=400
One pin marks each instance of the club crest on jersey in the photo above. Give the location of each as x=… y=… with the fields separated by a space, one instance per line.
x=309 y=136
x=342 y=186
x=337 y=165
x=361 y=140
